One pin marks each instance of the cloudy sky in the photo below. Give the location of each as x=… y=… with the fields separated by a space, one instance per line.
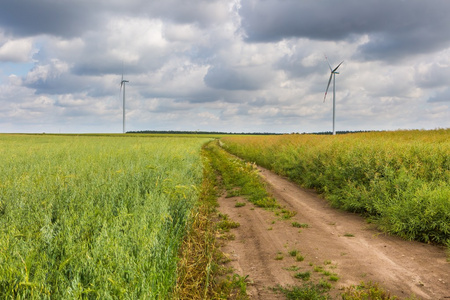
x=223 y=65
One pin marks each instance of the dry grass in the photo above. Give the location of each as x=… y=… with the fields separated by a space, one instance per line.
x=202 y=273
x=197 y=253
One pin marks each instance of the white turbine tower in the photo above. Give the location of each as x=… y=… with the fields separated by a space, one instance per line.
x=332 y=76
x=122 y=83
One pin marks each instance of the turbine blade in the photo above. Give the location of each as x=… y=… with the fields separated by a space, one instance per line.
x=337 y=66
x=326 y=91
x=328 y=62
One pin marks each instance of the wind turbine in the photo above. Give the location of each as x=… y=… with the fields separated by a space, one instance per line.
x=122 y=83
x=332 y=76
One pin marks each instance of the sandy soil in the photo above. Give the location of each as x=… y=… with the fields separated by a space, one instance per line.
x=340 y=242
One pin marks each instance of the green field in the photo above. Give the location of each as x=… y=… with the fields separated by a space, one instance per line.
x=94 y=217
x=105 y=216
x=400 y=179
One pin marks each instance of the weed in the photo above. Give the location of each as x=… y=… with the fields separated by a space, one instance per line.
x=233 y=287
x=225 y=225
x=287 y=214
x=324 y=284
x=227 y=236
x=279 y=256
x=293 y=252
x=318 y=269
x=306 y=291
x=239 y=204
x=292 y=268
x=303 y=275
x=299 y=257
x=334 y=277
x=300 y=225
x=349 y=235
x=240 y=283
x=333 y=266
x=366 y=291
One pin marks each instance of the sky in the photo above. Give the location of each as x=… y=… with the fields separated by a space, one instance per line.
x=223 y=65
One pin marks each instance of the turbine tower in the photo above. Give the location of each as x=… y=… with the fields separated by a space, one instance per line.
x=122 y=83
x=332 y=76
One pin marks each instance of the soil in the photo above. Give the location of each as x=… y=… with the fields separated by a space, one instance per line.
x=339 y=242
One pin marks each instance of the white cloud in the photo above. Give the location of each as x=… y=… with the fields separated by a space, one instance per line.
x=18 y=50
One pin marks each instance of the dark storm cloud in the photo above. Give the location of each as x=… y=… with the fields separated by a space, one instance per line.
x=65 y=18
x=53 y=17
x=394 y=27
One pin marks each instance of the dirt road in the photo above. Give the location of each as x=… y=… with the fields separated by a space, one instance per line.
x=335 y=242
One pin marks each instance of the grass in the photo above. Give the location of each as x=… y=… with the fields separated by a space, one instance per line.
x=226 y=224
x=292 y=268
x=366 y=291
x=240 y=178
x=279 y=256
x=300 y=225
x=287 y=214
x=334 y=278
x=318 y=269
x=299 y=257
x=202 y=268
x=303 y=275
x=308 y=291
x=199 y=256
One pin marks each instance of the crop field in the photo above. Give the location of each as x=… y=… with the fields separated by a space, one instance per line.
x=103 y=217
x=400 y=180
x=94 y=217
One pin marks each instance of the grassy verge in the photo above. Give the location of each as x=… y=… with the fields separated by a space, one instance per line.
x=199 y=254
x=202 y=274
x=241 y=178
